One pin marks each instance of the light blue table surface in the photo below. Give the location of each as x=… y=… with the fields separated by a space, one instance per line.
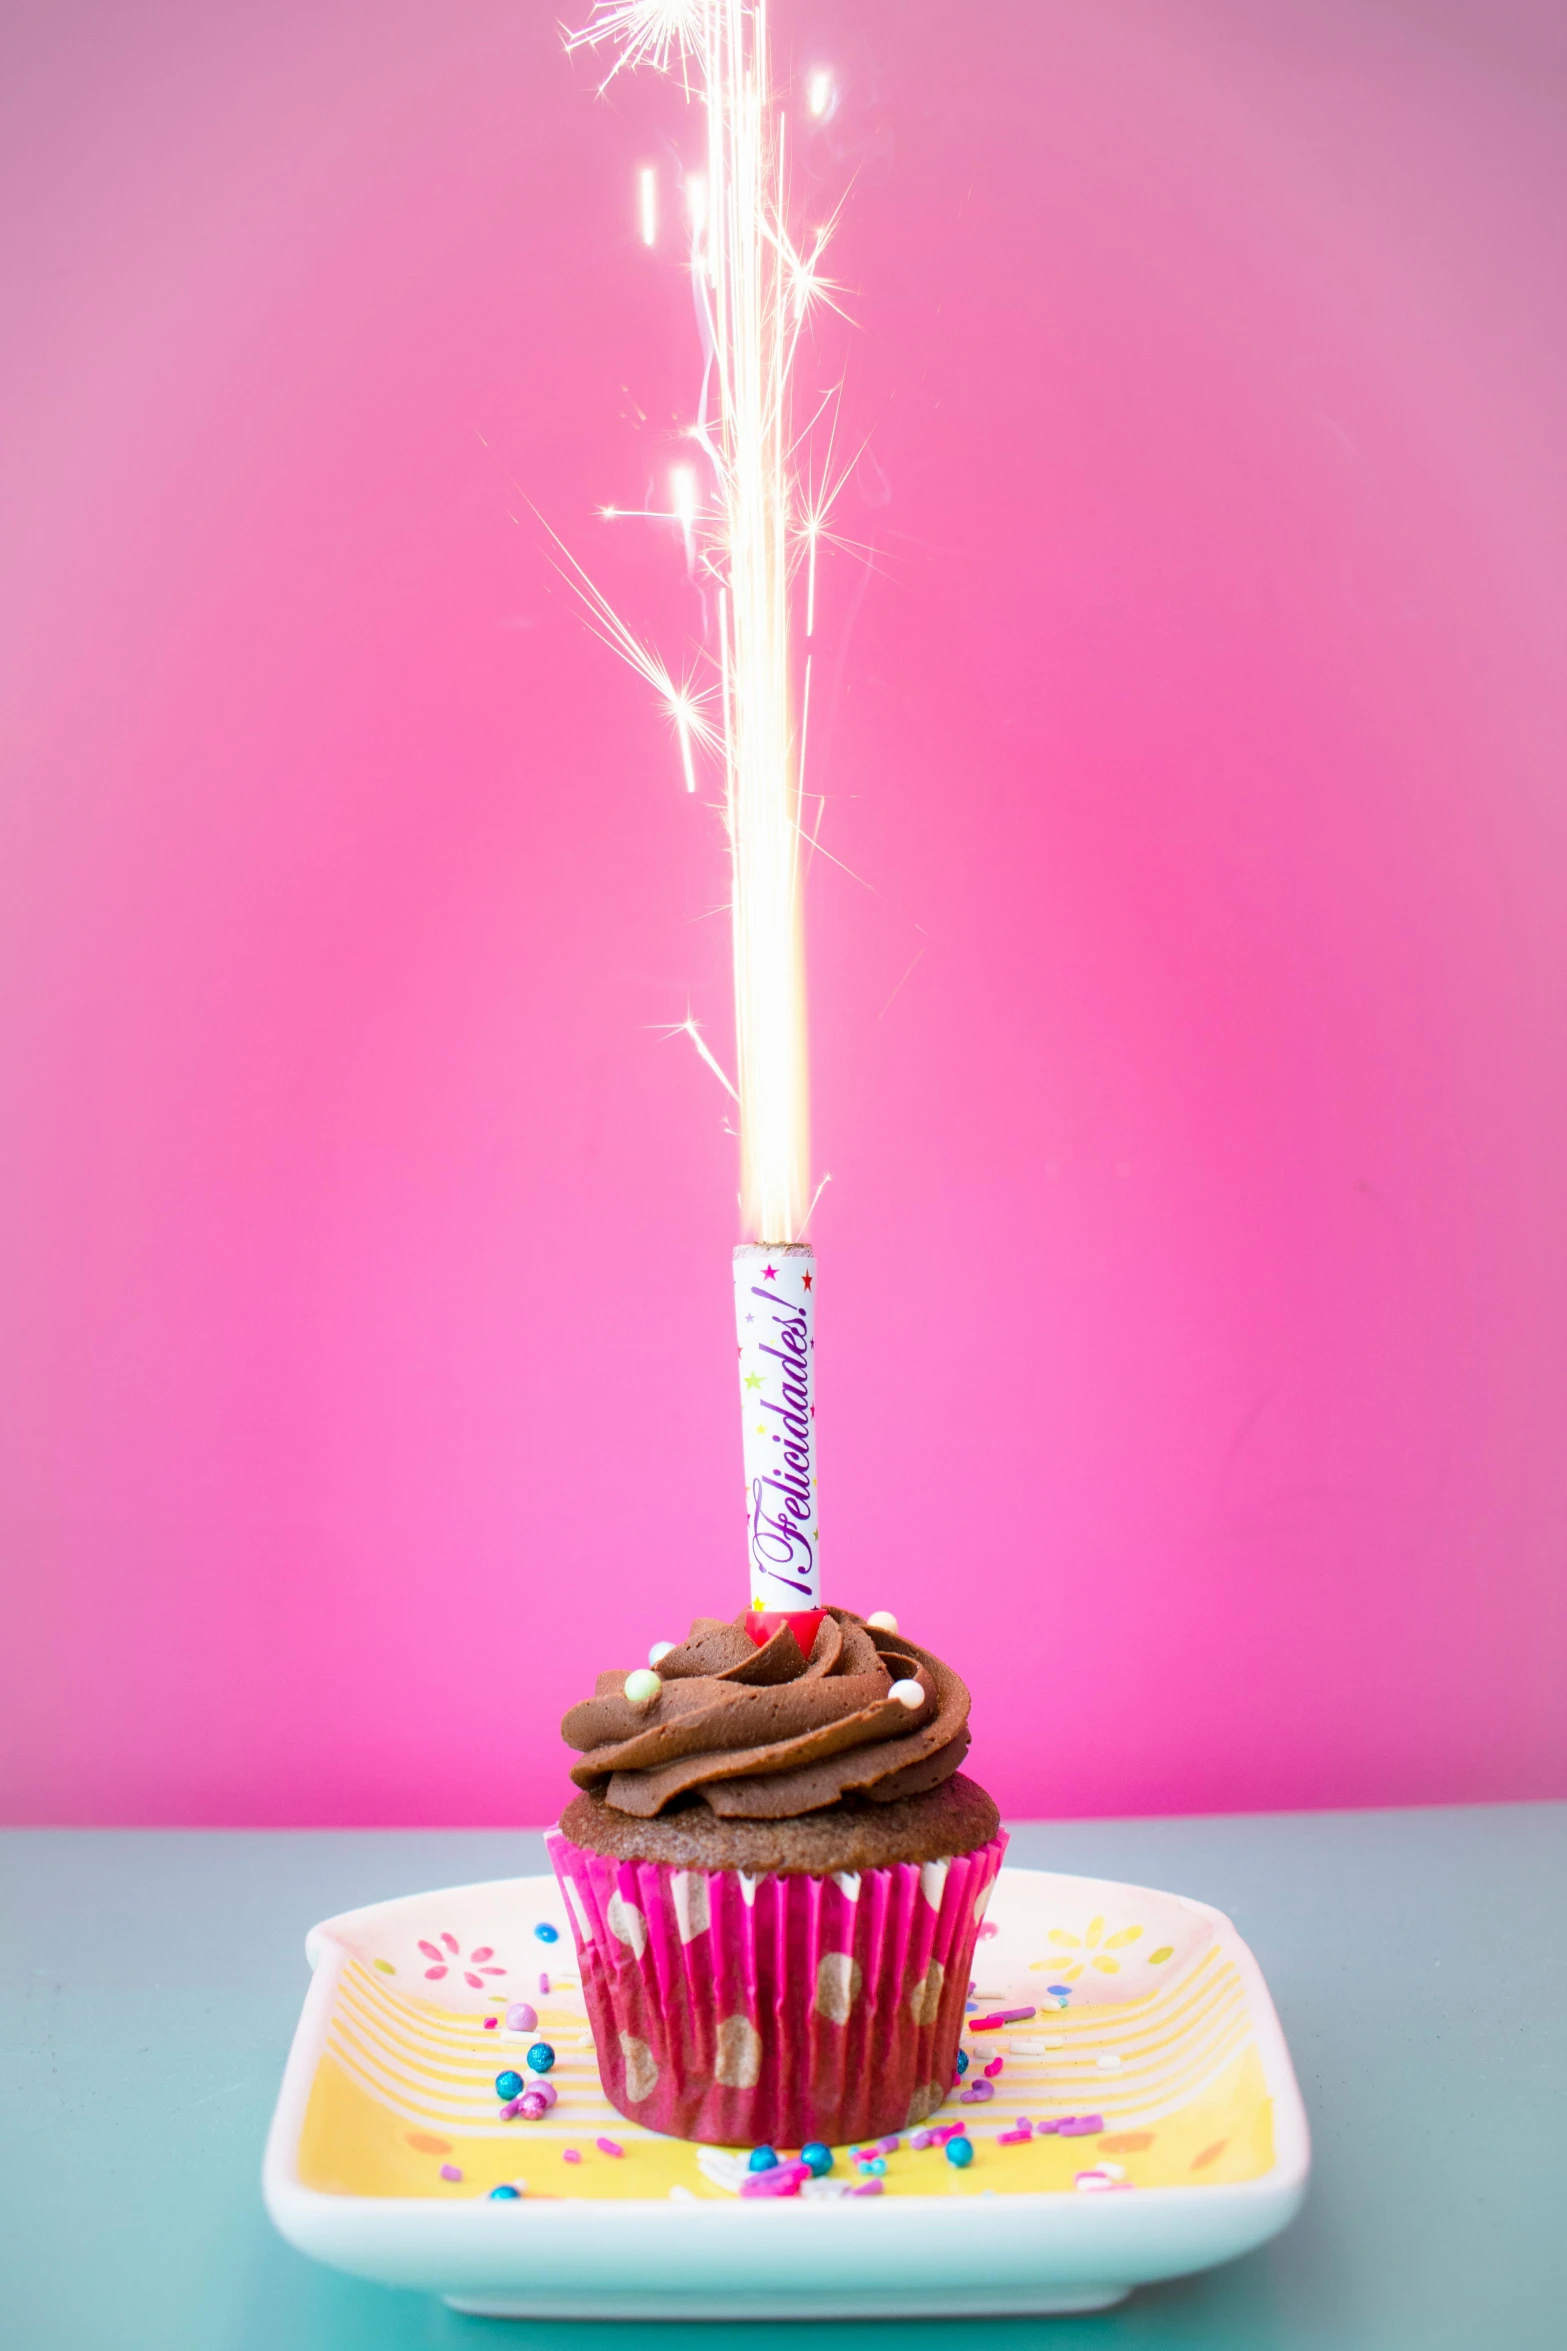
x=149 y=1984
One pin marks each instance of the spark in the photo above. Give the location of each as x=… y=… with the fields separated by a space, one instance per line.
x=758 y=284
x=688 y=1028
x=647 y=204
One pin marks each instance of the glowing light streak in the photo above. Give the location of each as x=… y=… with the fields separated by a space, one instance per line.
x=647 y=204
x=757 y=286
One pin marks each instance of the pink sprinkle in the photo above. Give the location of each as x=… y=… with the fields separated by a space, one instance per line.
x=1000 y=2016
x=948 y=2130
x=867 y=2188
x=489 y=2024
x=1013 y=2138
x=923 y=2139
x=449 y=2171
x=993 y=2068
x=784 y=2179
x=608 y=2147
x=544 y=1985
x=570 y=2155
x=889 y=2146
x=988 y=1929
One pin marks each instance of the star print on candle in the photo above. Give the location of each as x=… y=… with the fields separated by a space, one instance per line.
x=753 y=1379
x=771 y=1274
x=806 y=1280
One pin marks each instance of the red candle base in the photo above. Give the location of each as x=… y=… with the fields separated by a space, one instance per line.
x=762 y=1623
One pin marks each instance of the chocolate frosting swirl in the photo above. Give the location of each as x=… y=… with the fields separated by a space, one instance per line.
x=766 y=1734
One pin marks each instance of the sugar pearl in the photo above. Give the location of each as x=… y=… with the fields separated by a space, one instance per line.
x=908 y=1694
x=883 y=1621
x=521 y=2017
x=659 y=1651
x=643 y=1686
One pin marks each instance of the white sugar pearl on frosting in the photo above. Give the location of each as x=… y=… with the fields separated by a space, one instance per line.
x=659 y=1651
x=642 y=1687
x=883 y=1621
x=908 y=1694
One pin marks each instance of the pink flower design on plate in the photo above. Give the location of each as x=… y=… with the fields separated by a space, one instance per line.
x=473 y=1969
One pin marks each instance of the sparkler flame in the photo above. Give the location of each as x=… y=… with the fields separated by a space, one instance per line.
x=756 y=290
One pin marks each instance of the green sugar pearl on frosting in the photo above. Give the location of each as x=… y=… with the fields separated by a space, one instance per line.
x=643 y=1686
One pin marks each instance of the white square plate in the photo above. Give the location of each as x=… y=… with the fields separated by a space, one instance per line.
x=1152 y=2023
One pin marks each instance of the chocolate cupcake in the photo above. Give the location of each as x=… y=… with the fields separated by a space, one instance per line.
x=775 y=1874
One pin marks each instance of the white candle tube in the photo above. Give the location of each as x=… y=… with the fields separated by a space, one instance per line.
x=775 y=1321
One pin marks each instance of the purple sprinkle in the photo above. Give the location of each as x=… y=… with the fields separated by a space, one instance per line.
x=977 y=2093
x=889 y=2146
x=923 y=2139
x=544 y=1985
x=449 y=2171
x=570 y=2155
x=783 y=2179
x=866 y=2188
x=1080 y=2126
x=608 y=2147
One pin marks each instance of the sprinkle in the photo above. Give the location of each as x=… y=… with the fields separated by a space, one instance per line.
x=544 y=1983
x=1059 y=1991
x=960 y=2152
x=923 y=2139
x=987 y=1929
x=883 y=1621
x=977 y=2093
x=449 y=2171
x=570 y=2155
x=505 y=2194
x=643 y=1686
x=509 y=2085
x=779 y=2179
x=908 y=1694
x=993 y=2023
x=609 y=2147
x=818 y=2156
x=1012 y=2138
x=866 y=2188
x=962 y=2063
x=659 y=1651
x=945 y=2131
x=763 y=2159
x=521 y=2017
x=1097 y=2179
x=546 y=1933
x=1109 y=2062
x=993 y=2068
x=874 y=2166
x=541 y=2057
x=1080 y=2126
x=890 y=2146
x=1050 y=2122
x=489 y=2024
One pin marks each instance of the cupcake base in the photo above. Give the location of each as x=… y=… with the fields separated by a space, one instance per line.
x=742 y=2006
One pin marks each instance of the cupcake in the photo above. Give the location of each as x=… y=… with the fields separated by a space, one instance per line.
x=775 y=1874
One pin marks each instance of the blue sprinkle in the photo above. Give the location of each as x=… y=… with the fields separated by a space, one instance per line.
x=763 y=2159
x=960 y=2152
x=1061 y=1991
x=818 y=2156
x=963 y=2061
x=875 y=2165
x=504 y=2195
x=508 y=2084
x=546 y=1933
x=541 y=2057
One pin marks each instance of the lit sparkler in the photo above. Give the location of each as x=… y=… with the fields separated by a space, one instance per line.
x=755 y=513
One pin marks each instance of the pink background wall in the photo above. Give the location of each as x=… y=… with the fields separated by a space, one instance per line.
x=1194 y=1364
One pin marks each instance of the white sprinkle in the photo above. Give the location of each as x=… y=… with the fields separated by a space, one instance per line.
x=908 y=1694
x=1109 y=2063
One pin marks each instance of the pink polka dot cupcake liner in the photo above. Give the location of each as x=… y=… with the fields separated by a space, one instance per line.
x=749 y=2011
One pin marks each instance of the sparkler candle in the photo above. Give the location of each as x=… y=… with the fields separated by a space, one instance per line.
x=748 y=528
x=775 y=1321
